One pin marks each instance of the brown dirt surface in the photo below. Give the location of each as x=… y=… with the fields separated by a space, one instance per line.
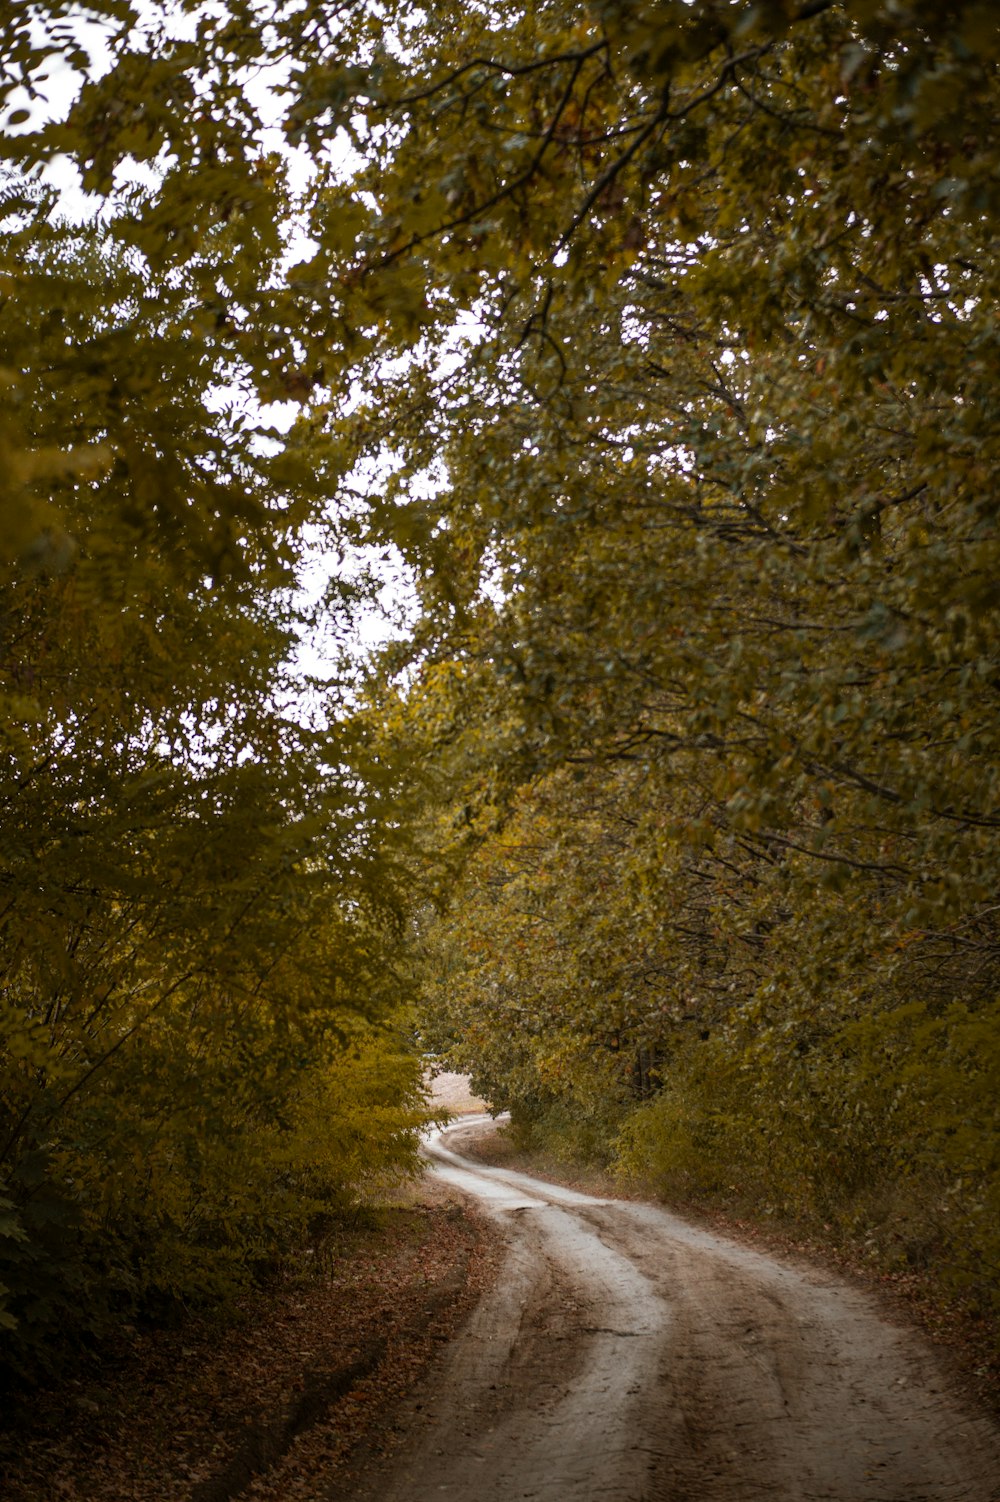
x=628 y=1354
x=558 y=1347
x=270 y=1404
x=965 y=1343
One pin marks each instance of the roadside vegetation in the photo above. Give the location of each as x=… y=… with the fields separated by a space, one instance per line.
x=726 y=461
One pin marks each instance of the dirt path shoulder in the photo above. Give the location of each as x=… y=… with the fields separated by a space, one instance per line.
x=270 y=1404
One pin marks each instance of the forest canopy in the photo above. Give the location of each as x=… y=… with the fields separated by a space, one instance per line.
x=660 y=341
x=707 y=524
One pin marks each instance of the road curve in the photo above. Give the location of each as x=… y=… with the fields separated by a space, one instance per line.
x=627 y=1356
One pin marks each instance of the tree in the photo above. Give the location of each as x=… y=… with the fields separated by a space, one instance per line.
x=198 y=926
x=717 y=449
x=659 y=341
x=201 y=882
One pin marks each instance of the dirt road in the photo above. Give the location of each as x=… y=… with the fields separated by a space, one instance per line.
x=626 y=1356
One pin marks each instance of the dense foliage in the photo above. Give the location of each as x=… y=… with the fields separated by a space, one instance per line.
x=660 y=340
x=707 y=519
x=200 y=895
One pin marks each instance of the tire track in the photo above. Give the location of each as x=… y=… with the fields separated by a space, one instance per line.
x=626 y=1355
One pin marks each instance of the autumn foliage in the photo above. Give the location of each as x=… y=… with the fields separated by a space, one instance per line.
x=713 y=559
x=202 y=1055
x=658 y=342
